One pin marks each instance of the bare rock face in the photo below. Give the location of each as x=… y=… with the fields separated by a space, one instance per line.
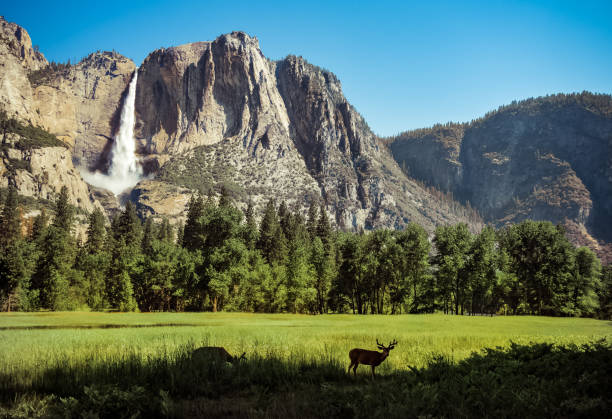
x=18 y=42
x=40 y=173
x=227 y=115
x=17 y=59
x=81 y=105
x=543 y=159
x=432 y=155
x=201 y=93
x=156 y=198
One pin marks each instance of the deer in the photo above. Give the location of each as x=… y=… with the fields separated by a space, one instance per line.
x=366 y=357
x=216 y=353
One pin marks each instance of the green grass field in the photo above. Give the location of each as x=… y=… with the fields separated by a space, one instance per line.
x=62 y=353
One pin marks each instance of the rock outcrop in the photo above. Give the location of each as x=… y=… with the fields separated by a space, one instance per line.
x=17 y=59
x=224 y=114
x=81 y=105
x=544 y=159
x=40 y=173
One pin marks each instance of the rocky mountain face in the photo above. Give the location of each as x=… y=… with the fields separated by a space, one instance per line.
x=220 y=113
x=38 y=171
x=212 y=114
x=545 y=159
x=17 y=59
x=81 y=104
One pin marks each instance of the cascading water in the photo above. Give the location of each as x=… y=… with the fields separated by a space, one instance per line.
x=125 y=170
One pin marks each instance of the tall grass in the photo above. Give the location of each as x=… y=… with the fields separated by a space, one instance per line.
x=83 y=362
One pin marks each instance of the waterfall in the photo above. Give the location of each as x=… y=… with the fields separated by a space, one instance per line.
x=125 y=170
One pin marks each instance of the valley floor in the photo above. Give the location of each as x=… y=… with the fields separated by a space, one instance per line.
x=112 y=364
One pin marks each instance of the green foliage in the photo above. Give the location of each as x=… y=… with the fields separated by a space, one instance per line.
x=203 y=174
x=64 y=212
x=542 y=258
x=453 y=244
x=17 y=264
x=223 y=261
x=48 y=73
x=272 y=240
x=31 y=137
x=10 y=224
x=605 y=293
x=96 y=232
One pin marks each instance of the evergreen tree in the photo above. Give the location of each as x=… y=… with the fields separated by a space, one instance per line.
x=584 y=283
x=224 y=198
x=284 y=218
x=96 y=232
x=312 y=221
x=10 y=224
x=39 y=226
x=165 y=232
x=148 y=235
x=542 y=259
x=224 y=252
x=605 y=293
x=64 y=212
x=350 y=278
x=250 y=231
x=16 y=257
x=323 y=229
x=192 y=235
x=320 y=261
x=54 y=277
x=180 y=229
x=271 y=241
x=128 y=226
x=54 y=269
x=481 y=271
x=126 y=265
x=17 y=263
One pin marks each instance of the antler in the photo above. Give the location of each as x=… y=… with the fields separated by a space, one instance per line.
x=392 y=344
x=380 y=345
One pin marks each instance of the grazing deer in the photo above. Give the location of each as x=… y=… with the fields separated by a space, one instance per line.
x=373 y=358
x=216 y=353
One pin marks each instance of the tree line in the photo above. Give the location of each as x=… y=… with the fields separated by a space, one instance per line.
x=223 y=259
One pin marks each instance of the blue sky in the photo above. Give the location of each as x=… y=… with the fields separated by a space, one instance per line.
x=402 y=64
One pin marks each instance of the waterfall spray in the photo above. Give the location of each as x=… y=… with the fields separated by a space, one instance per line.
x=125 y=170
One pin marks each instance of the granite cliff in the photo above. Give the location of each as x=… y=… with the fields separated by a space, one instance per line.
x=220 y=113
x=37 y=163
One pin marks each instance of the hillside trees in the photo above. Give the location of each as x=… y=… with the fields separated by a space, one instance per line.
x=223 y=259
x=542 y=259
x=16 y=257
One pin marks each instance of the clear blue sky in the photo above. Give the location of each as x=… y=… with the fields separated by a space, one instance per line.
x=402 y=64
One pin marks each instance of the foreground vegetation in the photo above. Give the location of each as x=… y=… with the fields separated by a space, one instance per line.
x=223 y=260
x=76 y=364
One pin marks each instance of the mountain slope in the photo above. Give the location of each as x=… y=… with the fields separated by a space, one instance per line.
x=548 y=158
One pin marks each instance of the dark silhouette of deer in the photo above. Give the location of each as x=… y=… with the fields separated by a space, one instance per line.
x=366 y=357
x=216 y=353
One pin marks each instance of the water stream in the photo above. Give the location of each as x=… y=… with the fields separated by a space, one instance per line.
x=125 y=170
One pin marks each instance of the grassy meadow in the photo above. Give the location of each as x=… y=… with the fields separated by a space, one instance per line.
x=79 y=361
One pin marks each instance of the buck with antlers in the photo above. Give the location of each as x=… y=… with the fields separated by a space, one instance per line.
x=366 y=357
